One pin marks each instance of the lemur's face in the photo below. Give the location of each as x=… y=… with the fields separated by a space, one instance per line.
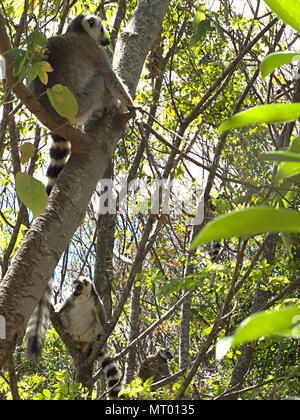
x=93 y=25
x=82 y=287
x=166 y=354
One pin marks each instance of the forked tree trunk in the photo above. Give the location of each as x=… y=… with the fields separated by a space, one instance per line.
x=25 y=281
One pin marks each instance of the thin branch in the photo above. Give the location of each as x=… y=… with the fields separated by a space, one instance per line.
x=156 y=385
x=198 y=108
x=214 y=331
x=13 y=239
x=234 y=394
x=13 y=383
x=118 y=20
x=151 y=328
x=288 y=289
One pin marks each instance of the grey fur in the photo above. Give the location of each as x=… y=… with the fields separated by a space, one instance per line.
x=84 y=319
x=80 y=63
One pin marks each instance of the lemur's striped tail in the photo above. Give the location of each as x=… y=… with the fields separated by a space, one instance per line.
x=37 y=326
x=59 y=153
x=112 y=375
x=215 y=251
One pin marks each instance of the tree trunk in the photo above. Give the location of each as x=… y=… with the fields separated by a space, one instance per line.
x=27 y=277
x=103 y=274
x=135 y=310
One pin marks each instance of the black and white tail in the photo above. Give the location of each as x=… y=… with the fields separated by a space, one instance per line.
x=36 y=330
x=59 y=154
x=37 y=325
x=216 y=249
x=112 y=375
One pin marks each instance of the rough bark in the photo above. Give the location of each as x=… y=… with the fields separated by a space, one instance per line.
x=26 y=279
x=133 y=333
x=103 y=271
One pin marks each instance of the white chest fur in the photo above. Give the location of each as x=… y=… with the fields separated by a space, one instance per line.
x=81 y=320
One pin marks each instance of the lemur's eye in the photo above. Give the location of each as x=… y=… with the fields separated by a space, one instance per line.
x=91 y=22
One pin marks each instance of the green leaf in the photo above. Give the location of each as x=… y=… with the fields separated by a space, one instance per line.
x=287 y=10
x=26 y=151
x=36 y=39
x=41 y=69
x=285 y=321
x=32 y=193
x=20 y=61
x=287 y=170
x=203 y=27
x=47 y=394
x=63 y=101
x=295 y=146
x=248 y=222
x=278 y=59
x=281 y=156
x=200 y=15
x=263 y=114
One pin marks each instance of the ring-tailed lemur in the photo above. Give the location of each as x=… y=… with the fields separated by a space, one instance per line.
x=83 y=318
x=156 y=366
x=79 y=62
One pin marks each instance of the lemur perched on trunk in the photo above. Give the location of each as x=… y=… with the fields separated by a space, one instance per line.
x=79 y=62
x=84 y=319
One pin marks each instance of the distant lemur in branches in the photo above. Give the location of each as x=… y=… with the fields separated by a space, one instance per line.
x=156 y=366
x=79 y=62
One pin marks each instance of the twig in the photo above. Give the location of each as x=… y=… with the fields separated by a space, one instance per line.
x=151 y=328
x=280 y=295
x=168 y=379
x=152 y=161
x=249 y=388
x=13 y=383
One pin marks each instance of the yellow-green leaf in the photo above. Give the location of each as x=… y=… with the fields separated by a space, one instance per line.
x=41 y=69
x=263 y=114
x=32 y=193
x=248 y=222
x=281 y=156
x=63 y=101
x=26 y=151
x=295 y=146
x=262 y=324
x=275 y=60
x=287 y=170
x=287 y=10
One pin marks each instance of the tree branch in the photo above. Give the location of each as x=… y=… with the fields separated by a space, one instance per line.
x=26 y=279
